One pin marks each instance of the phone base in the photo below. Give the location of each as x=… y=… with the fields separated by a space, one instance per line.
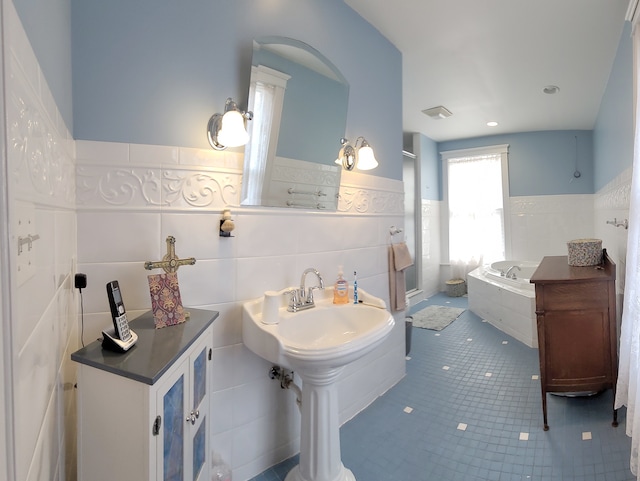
x=111 y=342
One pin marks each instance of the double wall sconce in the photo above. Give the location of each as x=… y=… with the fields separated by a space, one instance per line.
x=228 y=129
x=352 y=156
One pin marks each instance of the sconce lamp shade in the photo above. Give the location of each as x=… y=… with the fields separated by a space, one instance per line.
x=233 y=133
x=351 y=156
x=366 y=158
x=228 y=130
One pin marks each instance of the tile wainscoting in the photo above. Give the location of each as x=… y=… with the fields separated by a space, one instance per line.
x=43 y=302
x=131 y=197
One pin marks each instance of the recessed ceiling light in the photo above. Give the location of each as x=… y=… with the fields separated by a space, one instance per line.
x=551 y=89
x=493 y=123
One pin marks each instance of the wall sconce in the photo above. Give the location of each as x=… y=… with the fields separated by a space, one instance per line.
x=352 y=156
x=228 y=130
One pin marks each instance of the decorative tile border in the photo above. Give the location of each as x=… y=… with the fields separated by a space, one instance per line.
x=41 y=159
x=616 y=194
x=133 y=183
x=369 y=194
x=541 y=204
x=370 y=201
x=101 y=187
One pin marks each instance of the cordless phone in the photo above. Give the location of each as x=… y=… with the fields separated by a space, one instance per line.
x=121 y=337
x=120 y=322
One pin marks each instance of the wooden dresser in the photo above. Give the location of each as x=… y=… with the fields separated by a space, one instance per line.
x=577 y=335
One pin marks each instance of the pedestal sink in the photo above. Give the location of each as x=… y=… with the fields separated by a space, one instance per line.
x=317 y=343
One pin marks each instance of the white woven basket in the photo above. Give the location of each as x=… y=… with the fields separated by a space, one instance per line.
x=456 y=287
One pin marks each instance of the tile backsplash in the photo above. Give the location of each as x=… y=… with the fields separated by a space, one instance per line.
x=131 y=197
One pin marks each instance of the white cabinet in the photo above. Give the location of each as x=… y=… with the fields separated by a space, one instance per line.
x=144 y=414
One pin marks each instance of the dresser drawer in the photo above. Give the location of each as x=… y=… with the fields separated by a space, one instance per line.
x=569 y=296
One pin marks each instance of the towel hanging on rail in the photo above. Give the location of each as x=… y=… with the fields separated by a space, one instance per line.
x=399 y=260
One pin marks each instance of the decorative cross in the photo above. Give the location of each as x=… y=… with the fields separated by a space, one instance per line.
x=170 y=262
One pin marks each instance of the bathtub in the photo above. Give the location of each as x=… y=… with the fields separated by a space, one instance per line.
x=508 y=304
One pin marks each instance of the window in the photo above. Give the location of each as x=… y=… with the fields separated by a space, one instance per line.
x=266 y=96
x=476 y=200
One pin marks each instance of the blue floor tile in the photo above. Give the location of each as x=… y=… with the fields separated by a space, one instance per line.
x=478 y=419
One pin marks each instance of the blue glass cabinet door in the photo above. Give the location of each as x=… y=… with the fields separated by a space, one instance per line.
x=182 y=400
x=173 y=433
x=200 y=406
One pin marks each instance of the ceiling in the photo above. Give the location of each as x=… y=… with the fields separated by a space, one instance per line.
x=489 y=60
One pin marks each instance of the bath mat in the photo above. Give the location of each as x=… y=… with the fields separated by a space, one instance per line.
x=436 y=317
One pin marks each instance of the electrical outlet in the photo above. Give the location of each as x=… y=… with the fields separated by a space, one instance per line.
x=80 y=281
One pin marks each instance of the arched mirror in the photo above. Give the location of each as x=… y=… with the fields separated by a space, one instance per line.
x=299 y=101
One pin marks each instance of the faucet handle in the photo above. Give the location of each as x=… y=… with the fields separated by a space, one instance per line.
x=293 y=301
x=310 y=293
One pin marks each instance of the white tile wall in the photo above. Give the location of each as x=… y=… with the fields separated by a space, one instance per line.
x=431 y=254
x=542 y=225
x=44 y=303
x=130 y=198
x=612 y=202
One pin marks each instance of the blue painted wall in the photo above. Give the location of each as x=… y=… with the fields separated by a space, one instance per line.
x=48 y=24
x=613 y=133
x=542 y=163
x=154 y=71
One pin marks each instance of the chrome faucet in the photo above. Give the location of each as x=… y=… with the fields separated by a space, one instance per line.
x=508 y=275
x=303 y=298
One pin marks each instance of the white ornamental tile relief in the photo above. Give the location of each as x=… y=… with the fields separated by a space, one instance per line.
x=41 y=168
x=118 y=187
x=143 y=187
x=616 y=194
x=370 y=201
x=198 y=189
x=550 y=204
x=428 y=208
x=211 y=186
x=618 y=198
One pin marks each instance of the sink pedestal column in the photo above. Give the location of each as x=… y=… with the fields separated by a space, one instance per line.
x=320 y=429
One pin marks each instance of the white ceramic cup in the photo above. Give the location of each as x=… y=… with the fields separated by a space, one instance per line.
x=270 y=307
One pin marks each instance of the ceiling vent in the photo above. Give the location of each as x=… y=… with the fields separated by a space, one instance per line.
x=437 y=113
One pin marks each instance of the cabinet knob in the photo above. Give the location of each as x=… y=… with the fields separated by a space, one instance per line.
x=191 y=418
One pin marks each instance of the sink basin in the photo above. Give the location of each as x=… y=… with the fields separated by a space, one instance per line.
x=317 y=343
x=328 y=335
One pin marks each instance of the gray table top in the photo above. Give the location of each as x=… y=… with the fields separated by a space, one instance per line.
x=154 y=352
